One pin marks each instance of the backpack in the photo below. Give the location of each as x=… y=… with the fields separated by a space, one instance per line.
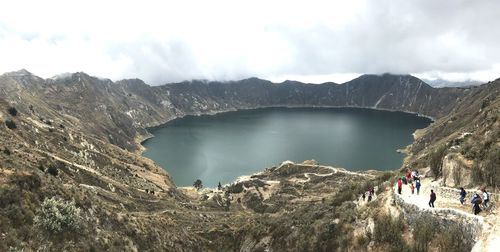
x=487 y=194
x=477 y=200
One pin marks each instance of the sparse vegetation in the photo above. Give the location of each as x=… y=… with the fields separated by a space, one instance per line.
x=198 y=184
x=10 y=124
x=56 y=215
x=454 y=239
x=424 y=230
x=52 y=170
x=436 y=160
x=388 y=230
x=489 y=174
x=12 y=111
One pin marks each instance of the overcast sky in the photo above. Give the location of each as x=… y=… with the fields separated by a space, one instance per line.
x=311 y=41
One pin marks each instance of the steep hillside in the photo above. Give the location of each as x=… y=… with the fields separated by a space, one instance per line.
x=70 y=178
x=467 y=138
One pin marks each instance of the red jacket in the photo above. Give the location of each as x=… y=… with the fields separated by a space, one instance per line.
x=400 y=183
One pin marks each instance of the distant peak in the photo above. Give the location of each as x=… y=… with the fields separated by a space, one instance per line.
x=385 y=75
x=22 y=72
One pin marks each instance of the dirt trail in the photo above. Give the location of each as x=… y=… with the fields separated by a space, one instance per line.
x=448 y=200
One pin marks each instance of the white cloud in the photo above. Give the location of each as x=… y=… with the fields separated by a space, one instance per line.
x=312 y=41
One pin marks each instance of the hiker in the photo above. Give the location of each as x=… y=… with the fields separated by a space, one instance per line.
x=433 y=198
x=403 y=179
x=369 y=196
x=463 y=193
x=408 y=176
x=400 y=185
x=417 y=185
x=476 y=200
x=412 y=188
x=363 y=195
x=486 y=198
x=414 y=175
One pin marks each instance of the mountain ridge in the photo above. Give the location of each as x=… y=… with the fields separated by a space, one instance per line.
x=135 y=105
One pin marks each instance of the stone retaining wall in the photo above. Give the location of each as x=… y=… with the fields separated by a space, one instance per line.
x=446 y=216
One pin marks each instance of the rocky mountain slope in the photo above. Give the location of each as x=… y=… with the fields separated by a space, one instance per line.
x=123 y=109
x=76 y=138
x=445 y=83
x=467 y=139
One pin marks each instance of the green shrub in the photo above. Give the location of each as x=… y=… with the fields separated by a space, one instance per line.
x=491 y=167
x=235 y=188
x=454 y=239
x=12 y=111
x=10 y=124
x=56 y=215
x=388 y=229
x=198 y=184
x=424 y=230
x=52 y=170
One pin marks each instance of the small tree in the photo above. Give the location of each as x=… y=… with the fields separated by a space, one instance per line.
x=198 y=184
x=52 y=170
x=56 y=215
x=10 y=124
x=12 y=111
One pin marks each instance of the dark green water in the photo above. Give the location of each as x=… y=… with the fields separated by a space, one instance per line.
x=222 y=147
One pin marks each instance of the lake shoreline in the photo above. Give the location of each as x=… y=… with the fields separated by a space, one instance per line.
x=343 y=110
x=141 y=139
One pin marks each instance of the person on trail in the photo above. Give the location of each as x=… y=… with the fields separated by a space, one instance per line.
x=369 y=196
x=476 y=200
x=417 y=185
x=412 y=188
x=400 y=185
x=408 y=176
x=433 y=199
x=372 y=191
x=403 y=179
x=486 y=198
x=463 y=193
x=363 y=195
x=414 y=175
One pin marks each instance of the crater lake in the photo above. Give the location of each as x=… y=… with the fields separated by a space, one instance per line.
x=225 y=146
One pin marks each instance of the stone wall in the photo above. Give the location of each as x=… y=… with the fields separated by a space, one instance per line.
x=446 y=217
